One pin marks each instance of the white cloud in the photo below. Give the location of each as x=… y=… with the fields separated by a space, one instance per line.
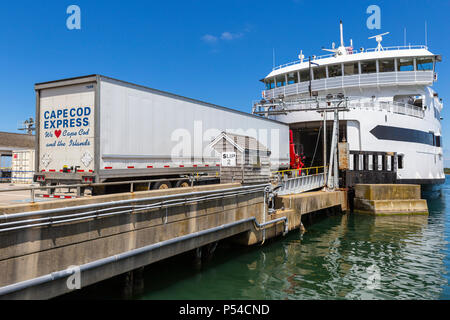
x=209 y=38
x=230 y=36
x=225 y=36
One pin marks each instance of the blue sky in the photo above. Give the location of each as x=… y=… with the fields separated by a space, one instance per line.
x=214 y=51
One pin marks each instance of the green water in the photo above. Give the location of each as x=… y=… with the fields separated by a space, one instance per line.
x=339 y=257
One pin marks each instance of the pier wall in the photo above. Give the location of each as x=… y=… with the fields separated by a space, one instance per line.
x=37 y=262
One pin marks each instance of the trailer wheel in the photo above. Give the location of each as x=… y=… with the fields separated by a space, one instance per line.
x=182 y=184
x=162 y=185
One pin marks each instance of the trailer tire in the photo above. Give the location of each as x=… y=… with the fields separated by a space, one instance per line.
x=98 y=191
x=182 y=184
x=162 y=185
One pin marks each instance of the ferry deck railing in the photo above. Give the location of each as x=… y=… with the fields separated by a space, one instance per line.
x=353 y=51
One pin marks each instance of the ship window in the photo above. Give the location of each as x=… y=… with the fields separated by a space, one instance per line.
x=270 y=84
x=400 y=162
x=351 y=69
x=387 y=65
x=424 y=64
x=304 y=75
x=437 y=114
x=292 y=78
x=281 y=80
x=368 y=66
x=335 y=70
x=319 y=73
x=405 y=64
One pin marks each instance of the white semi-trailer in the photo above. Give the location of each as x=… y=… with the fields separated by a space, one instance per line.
x=96 y=129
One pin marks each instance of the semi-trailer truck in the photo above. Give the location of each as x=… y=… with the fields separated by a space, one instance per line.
x=96 y=129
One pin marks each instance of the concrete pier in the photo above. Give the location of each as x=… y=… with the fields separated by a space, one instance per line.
x=38 y=262
x=389 y=199
x=293 y=207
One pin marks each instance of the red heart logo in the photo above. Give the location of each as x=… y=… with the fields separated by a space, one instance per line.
x=58 y=133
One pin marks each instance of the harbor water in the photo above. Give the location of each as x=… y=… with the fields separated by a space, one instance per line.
x=339 y=257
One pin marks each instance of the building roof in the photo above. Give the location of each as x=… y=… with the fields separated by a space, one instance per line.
x=241 y=142
x=16 y=141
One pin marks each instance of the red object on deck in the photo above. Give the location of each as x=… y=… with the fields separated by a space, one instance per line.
x=296 y=160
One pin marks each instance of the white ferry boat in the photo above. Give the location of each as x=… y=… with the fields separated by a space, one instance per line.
x=391 y=105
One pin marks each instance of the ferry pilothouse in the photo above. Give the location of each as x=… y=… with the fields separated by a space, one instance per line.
x=391 y=106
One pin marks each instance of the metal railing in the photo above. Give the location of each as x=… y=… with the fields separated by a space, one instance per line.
x=354 y=51
x=298 y=172
x=357 y=80
x=302 y=184
x=389 y=106
x=33 y=219
x=78 y=187
x=300 y=180
x=351 y=103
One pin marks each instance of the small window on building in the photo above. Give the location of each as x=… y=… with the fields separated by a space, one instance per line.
x=400 y=161
x=438 y=141
x=292 y=78
x=304 y=75
x=387 y=65
x=368 y=66
x=405 y=64
x=281 y=80
x=351 y=69
x=319 y=73
x=334 y=70
x=424 y=64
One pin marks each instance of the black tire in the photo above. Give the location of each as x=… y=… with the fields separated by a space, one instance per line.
x=162 y=185
x=183 y=184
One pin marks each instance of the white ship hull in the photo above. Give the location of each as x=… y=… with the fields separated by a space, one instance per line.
x=423 y=163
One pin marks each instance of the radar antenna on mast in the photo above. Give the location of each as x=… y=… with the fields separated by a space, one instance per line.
x=342 y=50
x=379 y=39
x=301 y=56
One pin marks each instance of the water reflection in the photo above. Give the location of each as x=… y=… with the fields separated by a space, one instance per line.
x=335 y=259
x=339 y=257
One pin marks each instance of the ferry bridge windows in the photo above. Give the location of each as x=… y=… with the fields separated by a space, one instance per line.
x=351 y=69
x=270 y=84
x=386 y=65
x=369 y=66
x=319 y=73
x=304 y=75
x=335 y=70
x=281 y=80
x=405 y=64
x=424 y=64
x=292 y=78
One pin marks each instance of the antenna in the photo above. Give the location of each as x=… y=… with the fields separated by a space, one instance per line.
x=379 y=39
x=301 y=56
x=342 y=50
x=404 y=36
x=28 y=126
x=426 y=34
x=274 y=58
